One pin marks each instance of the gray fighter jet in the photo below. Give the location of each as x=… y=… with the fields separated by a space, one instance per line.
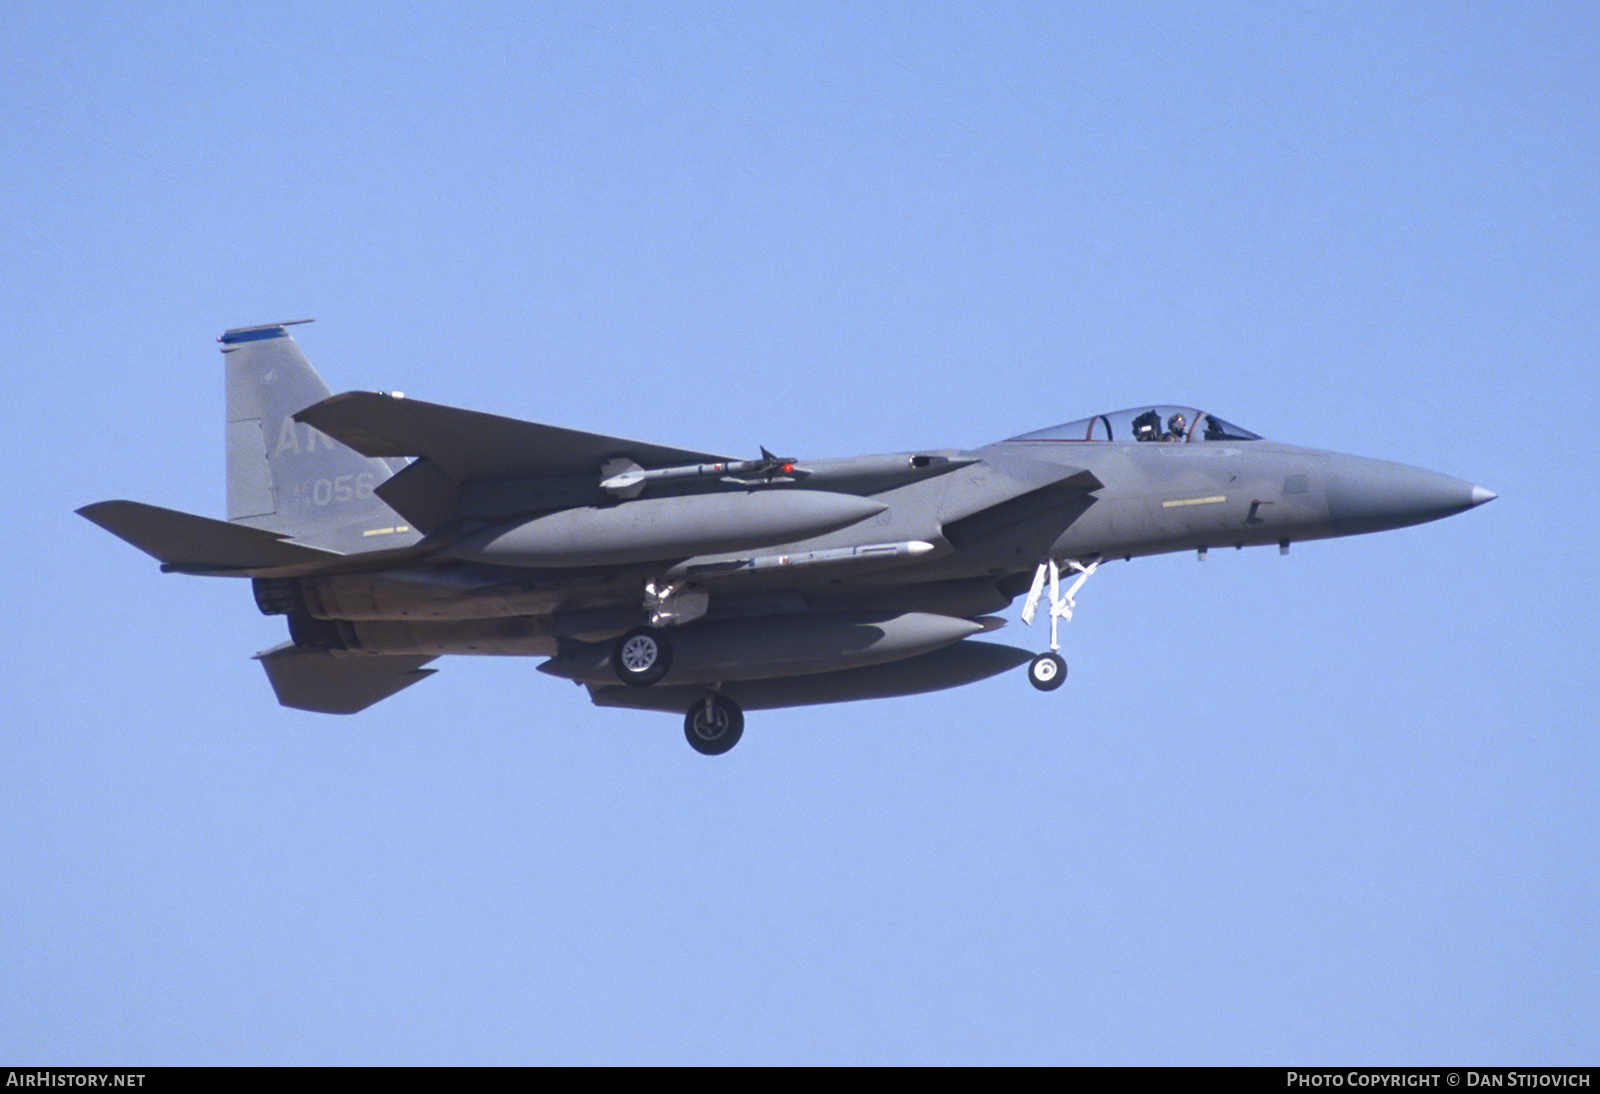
x=392 y=531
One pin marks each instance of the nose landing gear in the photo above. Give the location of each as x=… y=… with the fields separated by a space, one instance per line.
x=1048 y=671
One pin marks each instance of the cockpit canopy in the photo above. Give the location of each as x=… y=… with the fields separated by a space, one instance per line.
x=1173 y=424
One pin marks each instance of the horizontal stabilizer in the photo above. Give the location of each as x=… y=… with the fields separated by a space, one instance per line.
x=963 y=663
x=469 y=445
x=190 y=544
x=331 y=682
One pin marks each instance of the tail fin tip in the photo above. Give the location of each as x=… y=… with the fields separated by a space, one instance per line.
x=257 y=333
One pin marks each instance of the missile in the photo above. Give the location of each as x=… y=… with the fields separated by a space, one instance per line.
x=853 y=474
x=835 y=556
x=652 y=529
x=625 y=479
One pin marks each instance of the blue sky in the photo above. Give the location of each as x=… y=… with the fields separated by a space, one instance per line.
x=1335 y=806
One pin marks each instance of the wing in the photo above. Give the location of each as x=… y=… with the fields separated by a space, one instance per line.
x=469 y=445
x=456 y=447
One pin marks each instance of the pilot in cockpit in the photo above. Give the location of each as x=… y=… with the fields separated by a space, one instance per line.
x=1177 y=428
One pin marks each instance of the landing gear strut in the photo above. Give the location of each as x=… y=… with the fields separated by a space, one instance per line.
x=714 y=724
x=1048 y=671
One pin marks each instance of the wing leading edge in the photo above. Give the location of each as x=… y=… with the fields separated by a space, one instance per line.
x=456 y=447
x=468 y=444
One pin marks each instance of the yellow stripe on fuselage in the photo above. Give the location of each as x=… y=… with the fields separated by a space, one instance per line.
x=1213 y=500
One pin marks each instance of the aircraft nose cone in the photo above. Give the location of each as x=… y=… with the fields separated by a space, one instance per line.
x=1372 y=495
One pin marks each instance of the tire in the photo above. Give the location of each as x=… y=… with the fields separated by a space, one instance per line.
x=713 y=725
x=1047 y=672
x=641 y=657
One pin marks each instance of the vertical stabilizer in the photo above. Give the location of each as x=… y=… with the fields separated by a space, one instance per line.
x=285 y=476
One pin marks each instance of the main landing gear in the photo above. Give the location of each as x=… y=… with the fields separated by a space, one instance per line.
x=641 y=657
x=644 y=654
x=714 y=724
x=1048 y=671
